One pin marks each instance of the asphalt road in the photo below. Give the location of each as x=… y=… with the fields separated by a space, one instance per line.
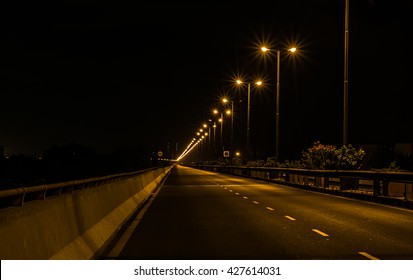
x=204 y=215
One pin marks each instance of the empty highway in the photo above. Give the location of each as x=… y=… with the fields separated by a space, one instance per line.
x=204 y=215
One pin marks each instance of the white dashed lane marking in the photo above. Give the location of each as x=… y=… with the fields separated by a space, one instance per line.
x=368 y=256
x=320 y=232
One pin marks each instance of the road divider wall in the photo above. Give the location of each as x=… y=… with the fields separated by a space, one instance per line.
x=72 y=220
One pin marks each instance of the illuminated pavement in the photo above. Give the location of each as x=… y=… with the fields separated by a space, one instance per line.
x=204 y=215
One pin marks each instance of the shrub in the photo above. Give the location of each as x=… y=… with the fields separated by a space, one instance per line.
x=271 y=162
x=349 y=158
x=321 y=156
x=255 y=163
x=236 y=161
x=294 y=164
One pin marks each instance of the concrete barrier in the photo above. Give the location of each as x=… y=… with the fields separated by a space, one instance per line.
x=76 y=225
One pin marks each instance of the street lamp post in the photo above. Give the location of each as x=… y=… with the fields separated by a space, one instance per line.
x=209 y=138
x=232 y=127
x=203 y=134
x=204 y=137
x=277 y=108
x=202 y=143
x=215 y=113
x=225 y=100
x=248 y=114
x=345 y=106
x=207 y=145
x=199 y=148
x=247 y=154
x=220 y=120
x=198 y=133
x=215 y=146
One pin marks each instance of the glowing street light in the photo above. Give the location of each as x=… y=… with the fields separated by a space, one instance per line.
x=220 y=120
x=209 y=138
x=258 y=83
x=277 y=114
x=225 y=100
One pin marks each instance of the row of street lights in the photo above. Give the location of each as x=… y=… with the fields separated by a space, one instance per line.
x=231 y=111
x=277 y=119
x=277 y=116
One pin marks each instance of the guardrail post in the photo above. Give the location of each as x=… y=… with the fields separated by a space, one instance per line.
x=385 y=190
x=292 y=178
x=305 y=180
x=409 y=192
x=376 y=187
x=301 y=179
x=326 y=182
x=318 y=181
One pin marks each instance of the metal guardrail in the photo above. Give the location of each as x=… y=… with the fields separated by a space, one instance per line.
x=18 y=196
x=372 y=175
x=342 y=180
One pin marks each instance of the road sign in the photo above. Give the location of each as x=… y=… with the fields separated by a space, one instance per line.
x=226 y=153
x=160 y=154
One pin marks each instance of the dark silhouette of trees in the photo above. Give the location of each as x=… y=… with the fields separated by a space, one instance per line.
x=69 y=162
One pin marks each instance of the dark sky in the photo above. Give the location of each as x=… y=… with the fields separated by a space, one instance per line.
x=113 y=74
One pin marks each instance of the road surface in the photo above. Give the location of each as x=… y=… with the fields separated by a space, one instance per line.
x=199 y=214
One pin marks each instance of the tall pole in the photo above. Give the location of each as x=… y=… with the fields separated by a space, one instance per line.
x=204 y=149
x=209 y=141
x=232 y=126
x=345 y=106
x=248 y=121
x=222 y=128
x=277 y=113
x=215 y=149
x=201 y=146
x=199 y=151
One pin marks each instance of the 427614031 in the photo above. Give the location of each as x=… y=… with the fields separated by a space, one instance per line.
x=245 y=270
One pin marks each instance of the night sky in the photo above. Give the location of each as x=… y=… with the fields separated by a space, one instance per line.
x=112 y=74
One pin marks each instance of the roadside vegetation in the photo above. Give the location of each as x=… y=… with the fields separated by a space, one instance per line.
x=330 y=157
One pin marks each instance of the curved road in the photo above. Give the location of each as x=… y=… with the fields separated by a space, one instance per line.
x=198 y=214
